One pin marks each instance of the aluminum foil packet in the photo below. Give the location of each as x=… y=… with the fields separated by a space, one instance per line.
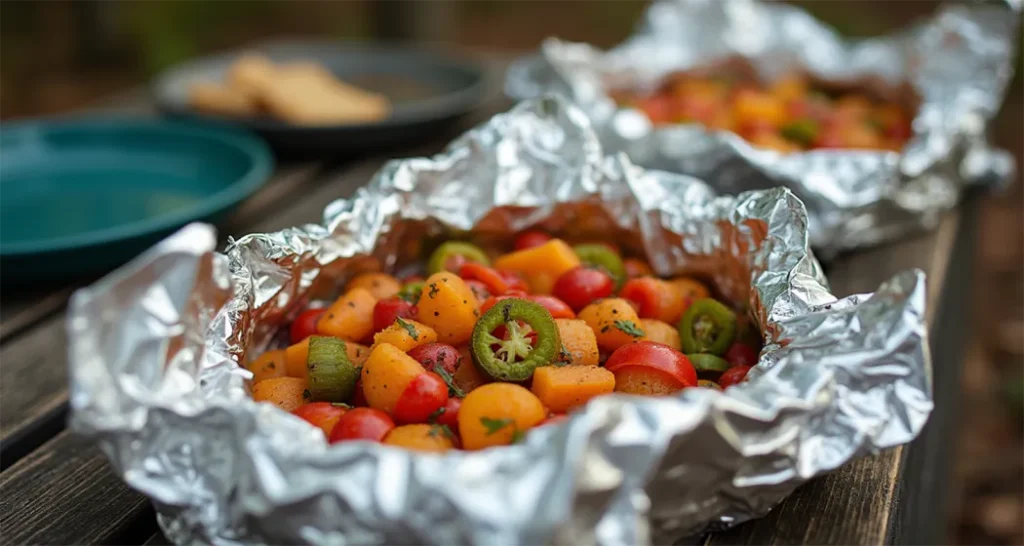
x=155 y=350
x=958 y=64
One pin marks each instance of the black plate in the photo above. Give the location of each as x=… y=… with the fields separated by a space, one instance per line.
x=427 y=90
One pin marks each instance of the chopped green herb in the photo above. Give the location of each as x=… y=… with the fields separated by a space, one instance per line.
x=453 y=389
x=408 y=328
x=802 y=131
x=630 y=328
x=518 y=436
x=439 y=430
x=433 y=290
x=437 y=413
x=494 y=425
x=564 y=357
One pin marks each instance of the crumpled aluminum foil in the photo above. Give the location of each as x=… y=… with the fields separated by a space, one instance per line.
x=959 y=63
x=154 y=349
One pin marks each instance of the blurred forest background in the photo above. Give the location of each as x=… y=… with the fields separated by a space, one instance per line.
x=61 y=55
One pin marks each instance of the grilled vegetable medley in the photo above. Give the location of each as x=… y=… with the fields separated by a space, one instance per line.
x=486 y=347
x=788 y=115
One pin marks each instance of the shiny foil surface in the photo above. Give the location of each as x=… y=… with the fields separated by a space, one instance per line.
x=957 y=63
x=154 y=352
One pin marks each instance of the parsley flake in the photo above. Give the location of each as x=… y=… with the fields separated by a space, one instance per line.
x=437 y=413
x=494 y=425
x=408 y=328
x=433 y=290
x=453 y=389
x=628 y=327
x=439 y=430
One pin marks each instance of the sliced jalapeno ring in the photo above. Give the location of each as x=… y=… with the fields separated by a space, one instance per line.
x=411 y=291
x=332 y=376
x=451 y=255
x=708 y=364
x=707 y=326
x=502 y=364
x=598 y=255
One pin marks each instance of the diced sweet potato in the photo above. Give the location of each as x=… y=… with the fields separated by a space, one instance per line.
x=661 y=332
x=614 y=323
x=561 y=389
x=540 y=265
x=380 y=285
x=448 y=305
x=386 y=374
x=287 y=393
x=406 y=334
x=579 y=342
x=350 y=317
x=269 y=365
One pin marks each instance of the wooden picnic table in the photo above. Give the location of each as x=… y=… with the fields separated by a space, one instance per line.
x=56 y=488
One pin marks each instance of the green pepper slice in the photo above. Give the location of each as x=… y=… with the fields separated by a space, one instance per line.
x=708 y=364
x=451 y=255
x=707 y=327
x=801 y=131
x=411 y=291
x=332 y=376
x=598 y=255
x=502 y=364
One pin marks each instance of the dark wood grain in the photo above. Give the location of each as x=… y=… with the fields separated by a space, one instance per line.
x=65 y=493
x=858 y=503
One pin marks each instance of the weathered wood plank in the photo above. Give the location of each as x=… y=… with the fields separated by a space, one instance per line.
x=857 y=503
x=66 y=493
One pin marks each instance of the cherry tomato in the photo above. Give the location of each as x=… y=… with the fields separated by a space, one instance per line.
x=654 y=298
x=513 y=280
x=733 y=376
x=358 y=396
x=655 y=356
x=530 y=239
x=426 y=394
x=580 y=286
x=637 y=268
x=450 y=415
x=555 y=306
x=431 y=355
x=305 y=324
x=741 y=355
x=480 y=290
x=386 y=311
x=494 y=282
x=321 y=414
x=362 y=424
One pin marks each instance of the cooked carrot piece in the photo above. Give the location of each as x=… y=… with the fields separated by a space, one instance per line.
x=561 y=389
x=448 y=305
x=269 y=365
x=350 y=316
x=661 y=332
x=540 y=265
x=614 y=322
x=380 y=285
x=287 y=393
x=357 y=353
x=579 y=342
x=406 y=334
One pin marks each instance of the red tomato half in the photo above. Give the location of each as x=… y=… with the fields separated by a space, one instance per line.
x=514 y=281
x=733 y=376
x=450 y=416
x=656 y=356
x=530 y=239
x=321 y=414
x=362 y=424
x=741 y=355
x=431 y=355
x=386 y=311
x=305 y=324
x=495 y=299
x=580 y=286
x=424 y=395
x=555 y=306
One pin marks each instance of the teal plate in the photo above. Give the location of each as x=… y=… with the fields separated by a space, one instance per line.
x=82 y=196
